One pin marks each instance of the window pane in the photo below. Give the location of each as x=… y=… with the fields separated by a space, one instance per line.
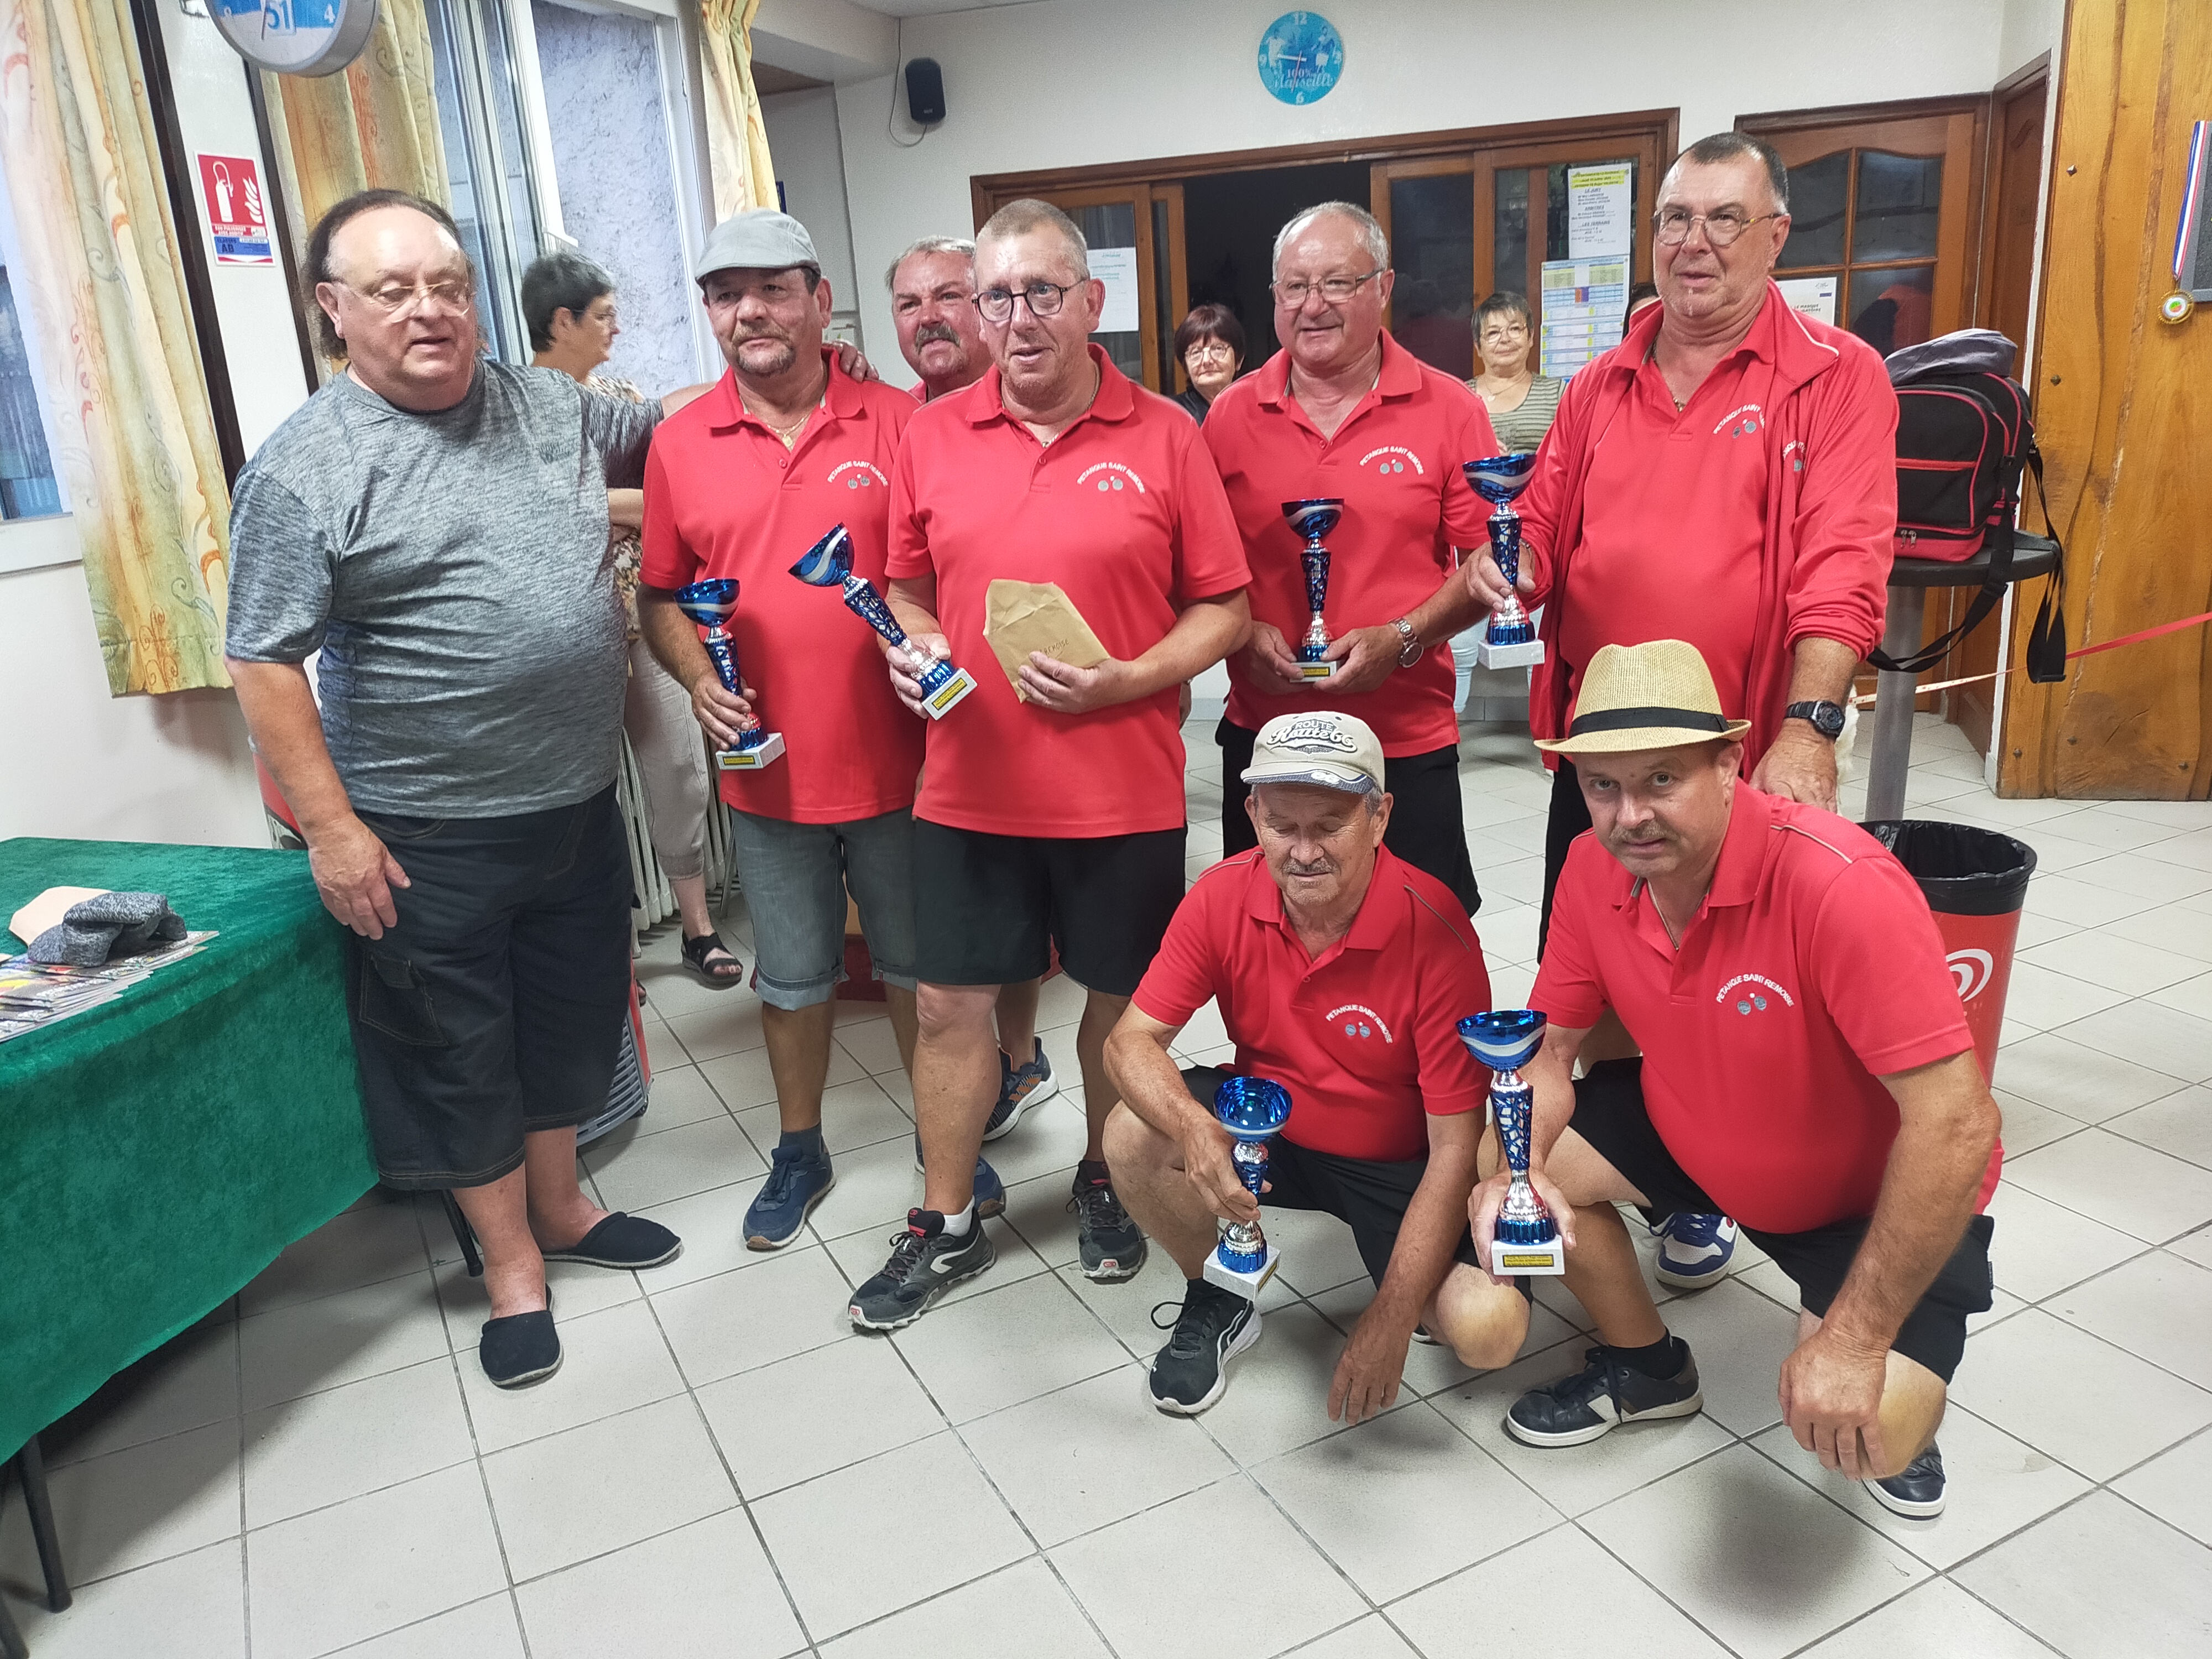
x=507 y=116
x=455 y=137
x=1510 y=232
x=1889 y=309
x=1818 y=190
x=26 y=473
x=1898 y=198
x=1432 y=237
x=1113 y=225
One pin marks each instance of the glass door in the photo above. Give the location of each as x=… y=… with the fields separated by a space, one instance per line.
x=1134 y=232
x=1427 y=209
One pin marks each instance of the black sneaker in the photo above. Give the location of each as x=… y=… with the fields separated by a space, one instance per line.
x=1214 y=1326
x=1599 y=1399
x=1113 y=1245
x=1917 y=1491
x=925 y=1262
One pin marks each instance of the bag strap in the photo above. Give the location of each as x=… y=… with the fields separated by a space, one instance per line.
x=2046 y=640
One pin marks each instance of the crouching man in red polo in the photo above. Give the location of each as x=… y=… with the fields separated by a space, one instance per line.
x=1341 y=973
x=1806 y=1069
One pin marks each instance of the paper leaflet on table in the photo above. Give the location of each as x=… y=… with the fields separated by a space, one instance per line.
x=1024 y=617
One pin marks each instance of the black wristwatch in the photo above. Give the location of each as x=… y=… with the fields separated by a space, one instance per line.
x=1826 y=718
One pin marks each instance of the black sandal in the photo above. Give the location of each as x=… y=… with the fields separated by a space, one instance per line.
x=698 y=961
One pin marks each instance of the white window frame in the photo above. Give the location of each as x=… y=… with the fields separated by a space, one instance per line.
x=50 y=539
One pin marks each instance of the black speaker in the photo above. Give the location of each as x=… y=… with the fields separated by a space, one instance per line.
x=925 y=92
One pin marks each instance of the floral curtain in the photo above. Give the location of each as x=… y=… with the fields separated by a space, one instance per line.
x=737 y=137
x=374 y=127
x=134 y=439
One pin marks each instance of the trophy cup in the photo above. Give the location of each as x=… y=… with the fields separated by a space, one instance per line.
x=1528 y=1239
x=1313 y=519
x=1510 y=640
x=710 y=604
x=1251 y=1108
x=828 y=563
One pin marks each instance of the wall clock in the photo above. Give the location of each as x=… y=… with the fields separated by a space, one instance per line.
x=1301 y=56
x=295 y=37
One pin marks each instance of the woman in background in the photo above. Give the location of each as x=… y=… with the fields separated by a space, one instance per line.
x=1522 y=402
x=1210 y=345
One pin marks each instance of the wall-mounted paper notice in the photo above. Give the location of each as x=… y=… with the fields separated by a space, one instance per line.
x=1116 y=267
x=1583 y=300
x=1601 y=212
x=1811 y=296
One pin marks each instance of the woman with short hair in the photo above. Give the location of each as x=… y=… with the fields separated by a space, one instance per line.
x=1522 y=402
x=1210 y=346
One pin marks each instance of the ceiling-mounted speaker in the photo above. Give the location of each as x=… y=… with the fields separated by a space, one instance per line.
x=925 y=92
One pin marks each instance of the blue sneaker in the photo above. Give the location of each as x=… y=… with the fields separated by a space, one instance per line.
x=990 y=1191
x=1020 y=1088
x=1694 y=1250
x=796 y=1181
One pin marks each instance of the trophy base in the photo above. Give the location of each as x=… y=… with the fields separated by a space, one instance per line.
x=1247 y=1283
x=1317 y=670
x=939 y=702
x=761 y=754
x=1526 y=654
x=1512 y=1260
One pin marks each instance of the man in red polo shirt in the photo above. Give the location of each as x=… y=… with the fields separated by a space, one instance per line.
x=1341 y=973
x=1053 y=816
x=1344 y=410
x=1807 y=1068
x=786 y=447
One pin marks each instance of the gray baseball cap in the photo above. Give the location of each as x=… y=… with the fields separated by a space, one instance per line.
x=759 y=239
x=1326 y=748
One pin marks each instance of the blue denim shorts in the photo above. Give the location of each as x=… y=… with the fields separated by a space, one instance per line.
x=795 y=877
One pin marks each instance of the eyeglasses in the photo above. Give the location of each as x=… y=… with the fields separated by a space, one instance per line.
x=1209 y=349
x=1672 y=225
x=399 y=300
x=1043 y=300
x=1506 y=331
x=1335 y=289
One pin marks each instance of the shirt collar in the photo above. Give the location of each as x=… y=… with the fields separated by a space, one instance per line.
x=841 y=397
x=1116 y=399
x=1371 y=929
x=1743 y=855
x=1400 y=377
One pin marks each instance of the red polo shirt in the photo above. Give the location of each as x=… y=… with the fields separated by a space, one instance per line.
x=1125 y=511
x=1365 y=1036
x=1395 y=462
x=1812 y=970
x=723 y=498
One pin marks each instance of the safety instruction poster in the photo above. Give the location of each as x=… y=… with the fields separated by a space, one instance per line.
x=1583 y=300
x=1601 y=212
x=237 y=213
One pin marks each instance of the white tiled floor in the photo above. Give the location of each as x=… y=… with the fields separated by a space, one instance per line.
x=724 y=1469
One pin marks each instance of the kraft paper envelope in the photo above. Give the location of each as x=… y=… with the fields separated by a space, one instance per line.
x=45 y=910
x=1024 y=617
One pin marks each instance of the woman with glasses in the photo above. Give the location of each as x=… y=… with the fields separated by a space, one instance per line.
x=1522 y=402
x=1210 y=346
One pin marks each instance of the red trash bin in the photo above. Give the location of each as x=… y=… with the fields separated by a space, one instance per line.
x=1975 y=882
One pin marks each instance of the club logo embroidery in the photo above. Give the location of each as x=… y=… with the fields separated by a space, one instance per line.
x=861 y=475
x=1359 y=1020
x=1741 y=421
x=1751 y=1001
x=1394 y=457
x=1113 y=472
x=1795 y=449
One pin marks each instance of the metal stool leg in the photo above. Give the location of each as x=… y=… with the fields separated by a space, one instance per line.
x=1892 y=709
x=463 y=1235
x=31 y=1470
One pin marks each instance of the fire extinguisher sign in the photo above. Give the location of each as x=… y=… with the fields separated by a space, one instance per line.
x=237 y=212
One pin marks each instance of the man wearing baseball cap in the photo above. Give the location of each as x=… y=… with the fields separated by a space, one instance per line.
x=1341 y=972
x=1806 y=1069
x=786 y=446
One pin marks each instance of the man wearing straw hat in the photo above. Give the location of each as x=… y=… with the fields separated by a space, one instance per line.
x=1807 y=1068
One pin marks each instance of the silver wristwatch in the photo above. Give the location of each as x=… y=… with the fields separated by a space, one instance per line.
x=1410 y=647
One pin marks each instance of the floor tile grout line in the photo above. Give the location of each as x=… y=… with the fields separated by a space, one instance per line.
x=1629 y=1568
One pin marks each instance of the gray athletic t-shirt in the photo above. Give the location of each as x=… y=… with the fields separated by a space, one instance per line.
x=452 y=568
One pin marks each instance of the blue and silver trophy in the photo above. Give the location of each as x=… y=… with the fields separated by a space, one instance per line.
x=828 y=563
x=709 y=604
x=1528 y=1239
x=1313 y=519
x=1251 y=1108
x=1510 y=640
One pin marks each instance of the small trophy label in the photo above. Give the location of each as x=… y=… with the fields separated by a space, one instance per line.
x=710 y=604
x=1528 y=1239
x=828 y=563
x=1251 y=1108
x=1510 y=640
x=1313 y=518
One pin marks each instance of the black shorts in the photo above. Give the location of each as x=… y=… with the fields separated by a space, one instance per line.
x=1609 y=1114
x=1569 y=817
x=1368 y=1196
x=1428 y=829
x=989 y=909
x=494 y=1007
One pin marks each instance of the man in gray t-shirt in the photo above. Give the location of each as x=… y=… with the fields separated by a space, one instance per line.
x=435 y=524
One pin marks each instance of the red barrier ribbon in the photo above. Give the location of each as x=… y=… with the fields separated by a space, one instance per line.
x=1866 y=700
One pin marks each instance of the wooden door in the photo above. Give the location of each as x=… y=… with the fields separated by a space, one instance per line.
x=1135 y=236
x=1426 y=208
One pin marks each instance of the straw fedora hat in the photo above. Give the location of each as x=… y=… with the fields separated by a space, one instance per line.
x=1655 y=695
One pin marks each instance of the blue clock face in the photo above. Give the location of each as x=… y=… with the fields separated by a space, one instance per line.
x=1301 y=56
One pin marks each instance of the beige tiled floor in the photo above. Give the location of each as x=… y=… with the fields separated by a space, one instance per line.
x=724 y=1469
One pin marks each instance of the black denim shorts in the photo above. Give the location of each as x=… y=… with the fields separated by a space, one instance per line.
x=494 y=1007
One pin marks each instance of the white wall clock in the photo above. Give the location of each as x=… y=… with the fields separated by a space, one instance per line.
x=295 y=37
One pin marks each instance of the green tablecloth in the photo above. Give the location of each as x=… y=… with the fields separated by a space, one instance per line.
x=157 y=1152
